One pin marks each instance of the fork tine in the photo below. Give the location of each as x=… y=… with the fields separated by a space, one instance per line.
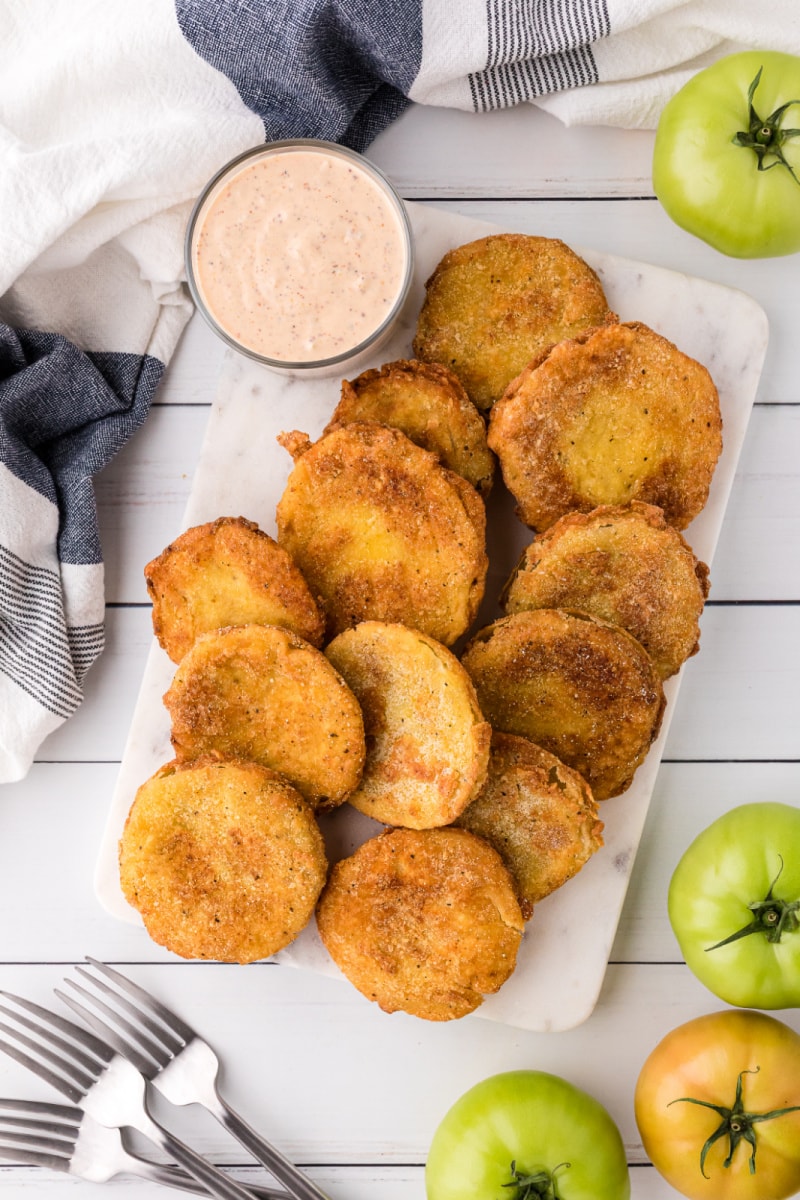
x=111 y=1036
x=67 y=1132
x=174 y=1044
x=157 y=1053
x=62 y=1112
x=83 y=1060
x=38 y=1141
x=34 y=1158
x=169 y=1018
x=75 y=1094
x=98 y=1048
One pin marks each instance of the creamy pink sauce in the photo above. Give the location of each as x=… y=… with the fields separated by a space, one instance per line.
x=300 y=256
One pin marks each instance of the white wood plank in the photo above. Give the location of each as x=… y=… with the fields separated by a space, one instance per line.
x=512 y=152
x=738 y=700
x=347 y=1183
x=39 y=818
x=687 y=798
x=143 y=494
x=333 y=1080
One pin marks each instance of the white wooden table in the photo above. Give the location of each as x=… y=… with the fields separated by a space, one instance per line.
x=347 y=1091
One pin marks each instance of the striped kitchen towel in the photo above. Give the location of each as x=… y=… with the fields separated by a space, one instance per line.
x=114 y=114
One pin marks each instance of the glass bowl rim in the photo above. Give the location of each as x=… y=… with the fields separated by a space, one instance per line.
x=369 y=168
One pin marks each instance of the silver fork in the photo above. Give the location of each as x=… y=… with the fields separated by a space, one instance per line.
x=175 y=1059
x=63 y=1138
x=100 y=1081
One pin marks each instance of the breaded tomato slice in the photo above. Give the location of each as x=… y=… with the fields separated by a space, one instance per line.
x=581 y=688
x=539 y=815
x=431 y=407
x=624 y=564
x=427 y=741
x=382 y=531
x=224 y=860
x=617 y=414
x=261 y=693
x=422 y=921
x=494 y=304
x=227 y=572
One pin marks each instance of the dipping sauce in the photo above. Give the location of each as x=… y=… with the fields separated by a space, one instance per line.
x=299 y=253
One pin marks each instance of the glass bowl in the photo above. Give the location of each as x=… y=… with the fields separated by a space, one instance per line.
x=264 y=241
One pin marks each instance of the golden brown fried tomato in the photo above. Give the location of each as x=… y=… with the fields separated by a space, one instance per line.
x=494 y=304
x=539 y=815
x=424 y=921
x=383 y=532
x=431 y=407
x=616 y=415
x=585 y=690
x=227 y=572
x=261 y=693
x=624 y=564
x=427 y=742
x=223 y=860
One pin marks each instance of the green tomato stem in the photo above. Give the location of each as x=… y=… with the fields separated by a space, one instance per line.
x=538 y=1185
x=736 y=1124
x=772 y=917
x=766 y=137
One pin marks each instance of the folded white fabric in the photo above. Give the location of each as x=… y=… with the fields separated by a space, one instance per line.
x=109 y=126
x=114 y=114
x=590 y=62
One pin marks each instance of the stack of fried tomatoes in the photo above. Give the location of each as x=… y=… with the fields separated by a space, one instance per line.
x=337 y=664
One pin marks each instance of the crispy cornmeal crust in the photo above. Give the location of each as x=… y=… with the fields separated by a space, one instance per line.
x=494 y=304
x=539 y=815
x=614 y=415
x=223 y=860
x=431 y=407
x=427 y=741
x=382 y=531
x=261 y=693
x=422 y=921
x=581 y=688
x=624 y=564
x=227 y=572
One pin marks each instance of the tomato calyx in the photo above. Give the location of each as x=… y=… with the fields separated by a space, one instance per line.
x=736 y=1125
x=765 y=137
x=772 y=916
x=540 y=1185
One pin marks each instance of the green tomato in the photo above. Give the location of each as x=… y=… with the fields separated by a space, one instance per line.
x=734 y=905
x=532 y=1130
x=726 y=164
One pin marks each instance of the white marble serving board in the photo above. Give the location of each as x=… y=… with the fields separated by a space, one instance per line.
x=243 y=471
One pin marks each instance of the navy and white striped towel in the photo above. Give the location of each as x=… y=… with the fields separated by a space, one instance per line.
x=113 y=115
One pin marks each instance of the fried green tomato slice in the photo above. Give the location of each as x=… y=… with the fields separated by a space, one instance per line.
x=618 y=414
x=261 y=693
x=539 y=815
x=494 y=304
x=423 y=921
x=382 y=531
x=431 y=407
x=224 y=860
x=427 y=741
x=626 y=565
x=581 y=688
x=227 y=572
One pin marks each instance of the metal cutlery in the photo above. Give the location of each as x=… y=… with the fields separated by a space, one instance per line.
x=63 y=1138
x=173 y=1058
x=101 y=1082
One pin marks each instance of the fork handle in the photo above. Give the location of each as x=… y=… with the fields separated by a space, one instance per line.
x=210 y=1177
x=295 y=1182
x=176 y=1178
